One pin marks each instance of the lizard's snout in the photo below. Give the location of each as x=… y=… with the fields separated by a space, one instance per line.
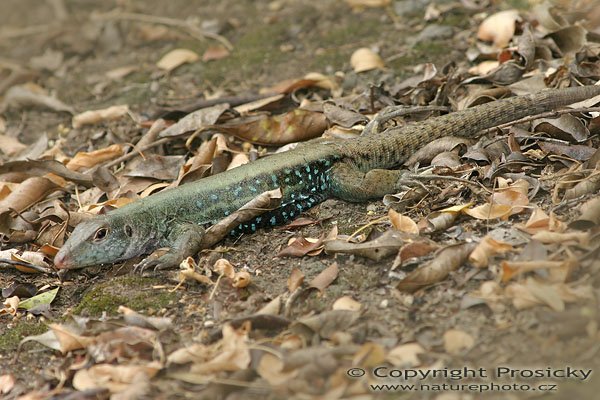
x=61 y=260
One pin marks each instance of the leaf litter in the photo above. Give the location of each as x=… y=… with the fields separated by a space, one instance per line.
x=504 y=226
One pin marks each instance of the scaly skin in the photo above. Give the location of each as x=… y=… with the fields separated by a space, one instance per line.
x=353 y=170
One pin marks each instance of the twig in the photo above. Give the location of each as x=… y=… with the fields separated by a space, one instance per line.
x=445 y=177
x=24 y=264
x=233 y=101
x=362 y=228
x=137 y=152
x=28 y=31
x=153 y=19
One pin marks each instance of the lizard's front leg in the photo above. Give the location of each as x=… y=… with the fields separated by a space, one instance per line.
x=350 y=184
x=183 y=240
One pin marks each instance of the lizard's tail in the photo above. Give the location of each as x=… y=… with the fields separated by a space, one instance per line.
x=392 y=147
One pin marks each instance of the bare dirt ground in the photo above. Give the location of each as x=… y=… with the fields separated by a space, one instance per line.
x=67 y=51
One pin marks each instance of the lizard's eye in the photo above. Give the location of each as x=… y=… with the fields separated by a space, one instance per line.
x=128 y=230
x=100 y=234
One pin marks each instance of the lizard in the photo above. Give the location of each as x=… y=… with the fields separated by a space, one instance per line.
x=354 y=170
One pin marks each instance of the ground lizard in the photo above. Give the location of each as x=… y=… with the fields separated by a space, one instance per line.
x=353 y=170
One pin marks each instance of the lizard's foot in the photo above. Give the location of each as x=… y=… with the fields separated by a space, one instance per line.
x=166 y=261
x=185 y=240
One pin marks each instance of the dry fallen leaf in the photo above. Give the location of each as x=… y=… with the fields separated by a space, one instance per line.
x=224 y=267
x=85 y=160
x=242 y=279
x=295 y=280
x=271 y=368
x=293 y=126
x=96 y=116
x=402 y=222
x=301 y=246
x=490 y=211
x=487 y=248
x=347 y=303
x=457 y=341
x=325 y=277
x=446 y=261
x=7 y=382
x=365 y=59
x=359 y=4
x=115 y=378
x=215 y=53
x=498 y=28
x=11 y=146
x=176 y=58
x=405 y=355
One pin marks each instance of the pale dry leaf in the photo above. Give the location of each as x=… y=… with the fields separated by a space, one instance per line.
x=532 y=293
x=31 y=257
x=96 y=116
x=115 y=378
x=360 y=4
x=176 y=58
x=457 y=341
x=511 y=269
x=487 y=248
x=295 y=280
x=196 y=120
x=538 y=221
x=85 y=160
x=7 y=382
x=346 y=303
x=241 y=279
x=237 y=160
x=224 y=267
x=69 y=339
x=445 y=261
x=271 y=308
x=48 y=339
x=31 y=95
x=490 y=211
x=196 y=352
x=484 y=67
x=405 y=355
x=28 y=193
x=365 y=59
x=234 y=354
x=10 y=146
x=402 y=222
x=95 y=208
x=325 y=277
x=271 y=368
x=590 y=215
x=120 y=72
x=215 y=53
x=498 y=28
x=11 y=305
x=581 y=238
x=491 y=293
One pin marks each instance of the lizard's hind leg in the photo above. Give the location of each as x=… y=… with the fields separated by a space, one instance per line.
x=351 y=184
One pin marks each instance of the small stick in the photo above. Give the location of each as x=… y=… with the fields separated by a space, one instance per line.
x=186 y=26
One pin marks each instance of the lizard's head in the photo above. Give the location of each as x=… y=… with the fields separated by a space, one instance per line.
x=95 y=241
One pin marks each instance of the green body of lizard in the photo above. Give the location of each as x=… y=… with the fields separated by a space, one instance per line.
x=353 y=170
